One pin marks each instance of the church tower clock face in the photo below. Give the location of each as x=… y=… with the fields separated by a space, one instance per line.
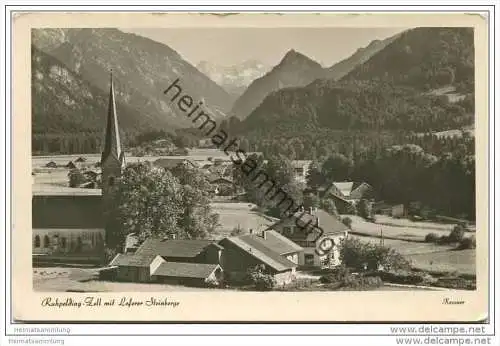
x=326 y=244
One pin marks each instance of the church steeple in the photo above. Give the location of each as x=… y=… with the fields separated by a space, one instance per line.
x=113 y=156
x=112 y=144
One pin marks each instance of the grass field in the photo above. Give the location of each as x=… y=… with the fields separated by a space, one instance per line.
x=57 y=279
x=431 y=257
x=403 y=231
x=462 y=261
x=232 y=215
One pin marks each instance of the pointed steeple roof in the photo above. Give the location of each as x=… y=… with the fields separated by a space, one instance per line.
x=112 y=144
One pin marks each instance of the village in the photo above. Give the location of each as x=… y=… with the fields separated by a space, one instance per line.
x=360 y=243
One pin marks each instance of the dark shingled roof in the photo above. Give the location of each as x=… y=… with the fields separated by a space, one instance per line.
x=132 y=260
x=327 y=222
x=255 y=247
x=276 y=242
x=173 y=248
x=185 y=270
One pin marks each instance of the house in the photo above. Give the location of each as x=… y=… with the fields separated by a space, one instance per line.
x=134 y=268
x=222 y=185
x=279 y=255
x=348 y=190
x=68 y=225
x=318 y=233
x=190 y=274
x=182 y=250
x=51 y=164
x=70 y=165
x=187 y=262
x=80 y=159
x=301 y=169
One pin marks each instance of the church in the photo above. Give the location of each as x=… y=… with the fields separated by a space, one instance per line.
x=68 y=224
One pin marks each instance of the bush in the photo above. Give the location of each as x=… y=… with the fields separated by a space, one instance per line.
x=329 y=206
x=444 y=239
x=402 y=277
x=431 y=238
x=238 y=230
x=362 y=282
x=363 y=255
x=467 y=243
x=457 y=234
x=456 y=283
x=365 y=209
x=335 y=275
x=260 y=280
x=347 y=221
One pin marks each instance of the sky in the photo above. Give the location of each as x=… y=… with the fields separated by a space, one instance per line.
x=230 y=46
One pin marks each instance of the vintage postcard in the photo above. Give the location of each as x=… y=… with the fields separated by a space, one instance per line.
x=250 y=167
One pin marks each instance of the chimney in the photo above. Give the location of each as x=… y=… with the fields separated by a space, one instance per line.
x=264 y=233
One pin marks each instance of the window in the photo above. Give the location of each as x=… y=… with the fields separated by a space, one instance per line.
x=287 y=230
x=309 y=259
x=46 y=241
x=37 y=241
x=111 y=181
x=79 y=244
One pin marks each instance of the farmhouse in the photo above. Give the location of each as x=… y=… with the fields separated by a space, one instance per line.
x=348 y=190
x=134 y=268
x=180 y=250
x=278 y=254
x=151 y=268
x=318 y=233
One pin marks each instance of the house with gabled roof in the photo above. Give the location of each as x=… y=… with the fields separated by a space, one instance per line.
x=318 y=233
x=182 y=250
x=154 y=268
x=350 y=191
x=276 y=253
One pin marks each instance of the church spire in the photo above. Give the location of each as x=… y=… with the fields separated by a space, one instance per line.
x=112 y=144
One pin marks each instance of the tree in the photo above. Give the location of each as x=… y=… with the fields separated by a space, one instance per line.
x=337 y=167
x=261 y=280
x=311 y=201
x=365 y=209
x=147 y=202
x=76 y=178
x=329 y=206
x=150 y=202
x=196 y=219
x=363 y=255
x=238 y=230
x=314 y=176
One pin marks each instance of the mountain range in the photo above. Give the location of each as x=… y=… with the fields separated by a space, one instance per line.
x=295 y=69
x=395 y=89
x=142 y=70
x=235 y=78
x=392 y=84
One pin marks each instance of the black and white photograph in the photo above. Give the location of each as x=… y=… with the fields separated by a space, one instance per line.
x=253 y=159
x=245 y=167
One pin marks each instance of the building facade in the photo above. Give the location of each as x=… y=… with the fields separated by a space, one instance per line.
x=318 y=233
